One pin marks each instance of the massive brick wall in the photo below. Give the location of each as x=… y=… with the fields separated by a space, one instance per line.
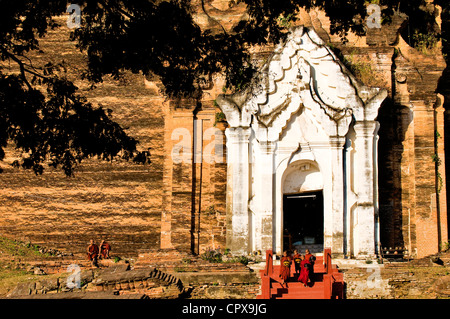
x=119 y=201
x=152 y=206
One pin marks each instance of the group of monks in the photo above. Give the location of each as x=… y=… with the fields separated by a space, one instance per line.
x=94 y=252
x=303 y=265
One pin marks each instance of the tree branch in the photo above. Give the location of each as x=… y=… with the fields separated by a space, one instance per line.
x=23 y=68
x=207 y=14
x=106 y=6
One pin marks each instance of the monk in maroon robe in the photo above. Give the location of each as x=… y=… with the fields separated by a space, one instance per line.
x=92 y=252
x=105 y=248
x=311 y=259
x=304 y=272
x=285 y=267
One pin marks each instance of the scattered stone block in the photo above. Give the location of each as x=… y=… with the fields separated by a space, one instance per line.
x=23 y=289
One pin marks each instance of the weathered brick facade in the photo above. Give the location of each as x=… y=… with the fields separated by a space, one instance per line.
x=193 y=222
x=412 y=191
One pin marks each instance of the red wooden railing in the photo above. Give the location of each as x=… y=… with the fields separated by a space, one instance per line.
x=327 y=260
x=268 y=272
x=330 y=277
x=327 y=277
x=269 y=263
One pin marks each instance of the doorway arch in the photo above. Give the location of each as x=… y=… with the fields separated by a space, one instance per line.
x=302 y=207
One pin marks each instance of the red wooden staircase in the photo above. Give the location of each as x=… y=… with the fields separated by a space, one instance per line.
x=327 y=283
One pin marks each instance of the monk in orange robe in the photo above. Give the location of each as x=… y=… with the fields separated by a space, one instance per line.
x=92 y=252
x=285 y=267
x=307 y=254
x=297 y=261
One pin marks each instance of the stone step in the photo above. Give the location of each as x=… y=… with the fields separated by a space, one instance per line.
x=61 y=265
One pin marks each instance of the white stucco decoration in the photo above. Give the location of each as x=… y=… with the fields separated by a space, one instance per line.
x=305 y=108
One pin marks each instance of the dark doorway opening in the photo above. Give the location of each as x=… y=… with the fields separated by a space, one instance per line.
x=302 y=219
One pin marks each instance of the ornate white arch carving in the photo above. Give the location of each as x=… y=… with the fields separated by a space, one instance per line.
x=303 y=87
